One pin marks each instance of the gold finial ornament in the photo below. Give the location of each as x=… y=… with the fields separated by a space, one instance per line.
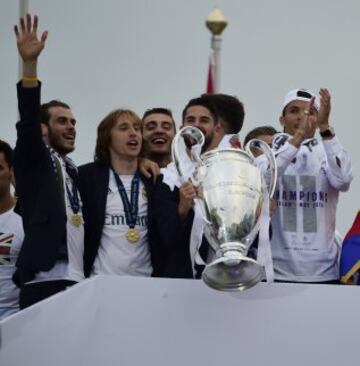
x=216 y=22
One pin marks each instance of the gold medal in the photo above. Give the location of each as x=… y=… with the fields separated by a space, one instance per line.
x=76 y=220
x=132 y=235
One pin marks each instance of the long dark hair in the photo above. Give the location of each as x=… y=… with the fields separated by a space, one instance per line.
x=103 y=140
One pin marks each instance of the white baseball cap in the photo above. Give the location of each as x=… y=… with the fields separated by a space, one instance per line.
x=301 y=94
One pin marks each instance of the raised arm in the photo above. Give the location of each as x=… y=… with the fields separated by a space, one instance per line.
x=339 y=168
x=29 y=145
x=324 y=112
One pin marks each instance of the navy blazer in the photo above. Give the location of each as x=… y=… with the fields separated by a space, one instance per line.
x=172 y=234
x=42 y=205
x=94 y=183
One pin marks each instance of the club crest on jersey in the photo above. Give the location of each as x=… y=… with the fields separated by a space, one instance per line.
x=279 y=140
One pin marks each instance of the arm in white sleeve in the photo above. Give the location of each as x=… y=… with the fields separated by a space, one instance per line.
x=283 y=156
x=338 y=169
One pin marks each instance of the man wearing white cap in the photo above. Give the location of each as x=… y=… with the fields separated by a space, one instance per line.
x=311 y=172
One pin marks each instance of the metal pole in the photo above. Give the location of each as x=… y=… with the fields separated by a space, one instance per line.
x=216 y=47
x=216 y=23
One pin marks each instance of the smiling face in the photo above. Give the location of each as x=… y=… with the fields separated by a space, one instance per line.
x=125 y=138
x=60 y=130
x=158 y=133
x=294 y=115
x=200 y=117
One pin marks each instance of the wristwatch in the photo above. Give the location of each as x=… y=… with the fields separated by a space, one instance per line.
x=329 y=132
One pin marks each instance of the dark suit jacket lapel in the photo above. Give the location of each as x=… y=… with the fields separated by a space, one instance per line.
x=101 y=177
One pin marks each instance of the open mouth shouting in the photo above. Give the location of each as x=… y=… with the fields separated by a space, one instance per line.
x=133 y=143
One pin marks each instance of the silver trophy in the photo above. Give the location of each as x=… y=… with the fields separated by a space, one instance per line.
x=233 y=194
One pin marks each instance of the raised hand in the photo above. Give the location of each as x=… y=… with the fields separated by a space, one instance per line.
x=304 y=126
x=28 y=44
x=325 y=108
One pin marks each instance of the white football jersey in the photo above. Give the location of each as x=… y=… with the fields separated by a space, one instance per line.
x=116 y=254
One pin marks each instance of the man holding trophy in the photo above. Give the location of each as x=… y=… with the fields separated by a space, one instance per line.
x=174 y=197
x=224 y=201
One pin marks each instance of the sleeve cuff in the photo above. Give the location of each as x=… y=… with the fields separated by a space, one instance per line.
x=28 y=98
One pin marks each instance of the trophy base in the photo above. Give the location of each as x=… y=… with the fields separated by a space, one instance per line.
x=238 y=275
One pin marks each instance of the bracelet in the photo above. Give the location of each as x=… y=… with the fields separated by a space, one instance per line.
x=29 y=79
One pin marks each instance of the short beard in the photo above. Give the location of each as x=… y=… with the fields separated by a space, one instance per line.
x=161 y=158
x=57 y=146
x=207 y=142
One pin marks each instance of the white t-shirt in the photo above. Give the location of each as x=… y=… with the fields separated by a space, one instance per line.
x=11 y=238
x=116 y=255
x=73 y=269
x=307 y=191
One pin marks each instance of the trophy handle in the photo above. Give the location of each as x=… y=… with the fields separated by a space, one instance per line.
x=267 y=151
x=195 y=140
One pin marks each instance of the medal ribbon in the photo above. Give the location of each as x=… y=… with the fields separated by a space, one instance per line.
x=130 y=208
x=73 y=198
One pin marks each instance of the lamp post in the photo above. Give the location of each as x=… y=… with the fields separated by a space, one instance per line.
x=216 y=23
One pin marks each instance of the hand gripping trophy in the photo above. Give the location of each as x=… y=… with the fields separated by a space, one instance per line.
x=234 y=198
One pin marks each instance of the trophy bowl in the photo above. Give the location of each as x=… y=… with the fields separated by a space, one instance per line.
x=233 y=196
